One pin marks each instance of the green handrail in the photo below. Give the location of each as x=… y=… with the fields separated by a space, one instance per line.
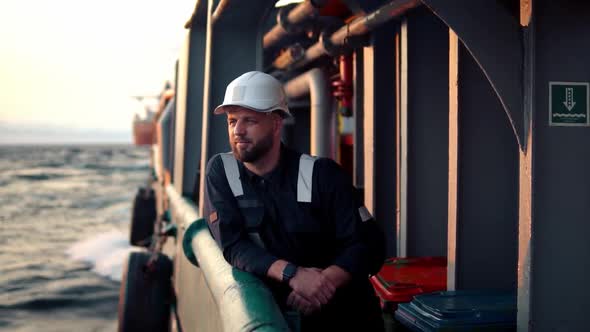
x=244 y=302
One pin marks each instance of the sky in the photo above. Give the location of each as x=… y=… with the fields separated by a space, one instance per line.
x=69 y=68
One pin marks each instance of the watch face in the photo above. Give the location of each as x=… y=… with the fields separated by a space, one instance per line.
x=289 y=272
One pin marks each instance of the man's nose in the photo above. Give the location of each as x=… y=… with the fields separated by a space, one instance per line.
x=239 y=128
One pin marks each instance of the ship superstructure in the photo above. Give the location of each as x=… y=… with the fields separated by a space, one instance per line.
x=464 y=124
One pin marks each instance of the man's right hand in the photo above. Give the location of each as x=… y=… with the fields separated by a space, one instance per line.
x=313 y=286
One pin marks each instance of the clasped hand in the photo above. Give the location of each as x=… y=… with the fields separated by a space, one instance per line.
x=311 y=290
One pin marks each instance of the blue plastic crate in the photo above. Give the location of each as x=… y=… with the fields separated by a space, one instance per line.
x=460 y=311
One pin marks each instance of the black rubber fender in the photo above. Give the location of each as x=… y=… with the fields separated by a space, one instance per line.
x=145 y=296
x=143 y=217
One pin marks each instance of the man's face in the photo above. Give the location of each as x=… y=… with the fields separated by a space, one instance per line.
x=251 y=134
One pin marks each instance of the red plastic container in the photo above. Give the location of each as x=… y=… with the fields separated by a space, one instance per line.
x=400 y=279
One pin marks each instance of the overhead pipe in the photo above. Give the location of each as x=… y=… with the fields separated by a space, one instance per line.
x=328 y=45
x=315 y=83
x=288 y=21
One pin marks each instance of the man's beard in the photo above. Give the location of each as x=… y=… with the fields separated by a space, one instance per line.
x=256 y=152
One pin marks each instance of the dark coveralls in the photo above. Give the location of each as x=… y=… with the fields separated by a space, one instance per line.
x=327 y=231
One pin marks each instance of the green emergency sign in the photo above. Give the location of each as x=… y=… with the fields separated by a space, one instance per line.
x=568 y=104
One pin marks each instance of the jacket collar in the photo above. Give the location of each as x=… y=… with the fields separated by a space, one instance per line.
x=274 y=176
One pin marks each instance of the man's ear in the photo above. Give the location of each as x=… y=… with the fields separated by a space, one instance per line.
x=277 y=124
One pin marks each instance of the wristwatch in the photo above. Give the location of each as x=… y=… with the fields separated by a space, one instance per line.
x=289 y=272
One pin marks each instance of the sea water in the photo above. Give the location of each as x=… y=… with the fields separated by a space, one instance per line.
x=64 y=218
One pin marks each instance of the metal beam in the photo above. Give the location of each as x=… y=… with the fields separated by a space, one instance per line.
x=525 y=211
x=525 y=183
x=485 y=180
x=188 y=110
x=237 y=13
x=402 y=229
x=560 y=190
x=493 y=37
x=358 y=146
x=206 y=114
x=424 y=213
x=199 y=15
x=380 y=102
x=182 y=89
x=233 y=47
x=453 y=159
x=526 y=12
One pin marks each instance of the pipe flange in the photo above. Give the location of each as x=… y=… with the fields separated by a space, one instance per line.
x=283 y=20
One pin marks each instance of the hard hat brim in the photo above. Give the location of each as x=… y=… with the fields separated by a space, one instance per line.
x=283 y=111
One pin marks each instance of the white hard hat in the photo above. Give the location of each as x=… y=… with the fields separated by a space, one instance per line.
x=257 y=91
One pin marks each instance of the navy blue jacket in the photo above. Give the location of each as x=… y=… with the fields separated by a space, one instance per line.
x=327 y=231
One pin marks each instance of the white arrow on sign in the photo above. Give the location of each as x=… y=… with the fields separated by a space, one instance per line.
x=569 y=99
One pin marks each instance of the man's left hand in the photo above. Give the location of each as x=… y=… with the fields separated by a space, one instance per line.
x=312 y=285
x=301 y=304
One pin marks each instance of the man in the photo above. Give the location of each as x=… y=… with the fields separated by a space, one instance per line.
x=289 y=218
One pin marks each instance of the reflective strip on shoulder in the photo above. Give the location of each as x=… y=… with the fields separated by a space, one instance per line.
x=232 y=173
x=305 y=177
x=365 y=214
